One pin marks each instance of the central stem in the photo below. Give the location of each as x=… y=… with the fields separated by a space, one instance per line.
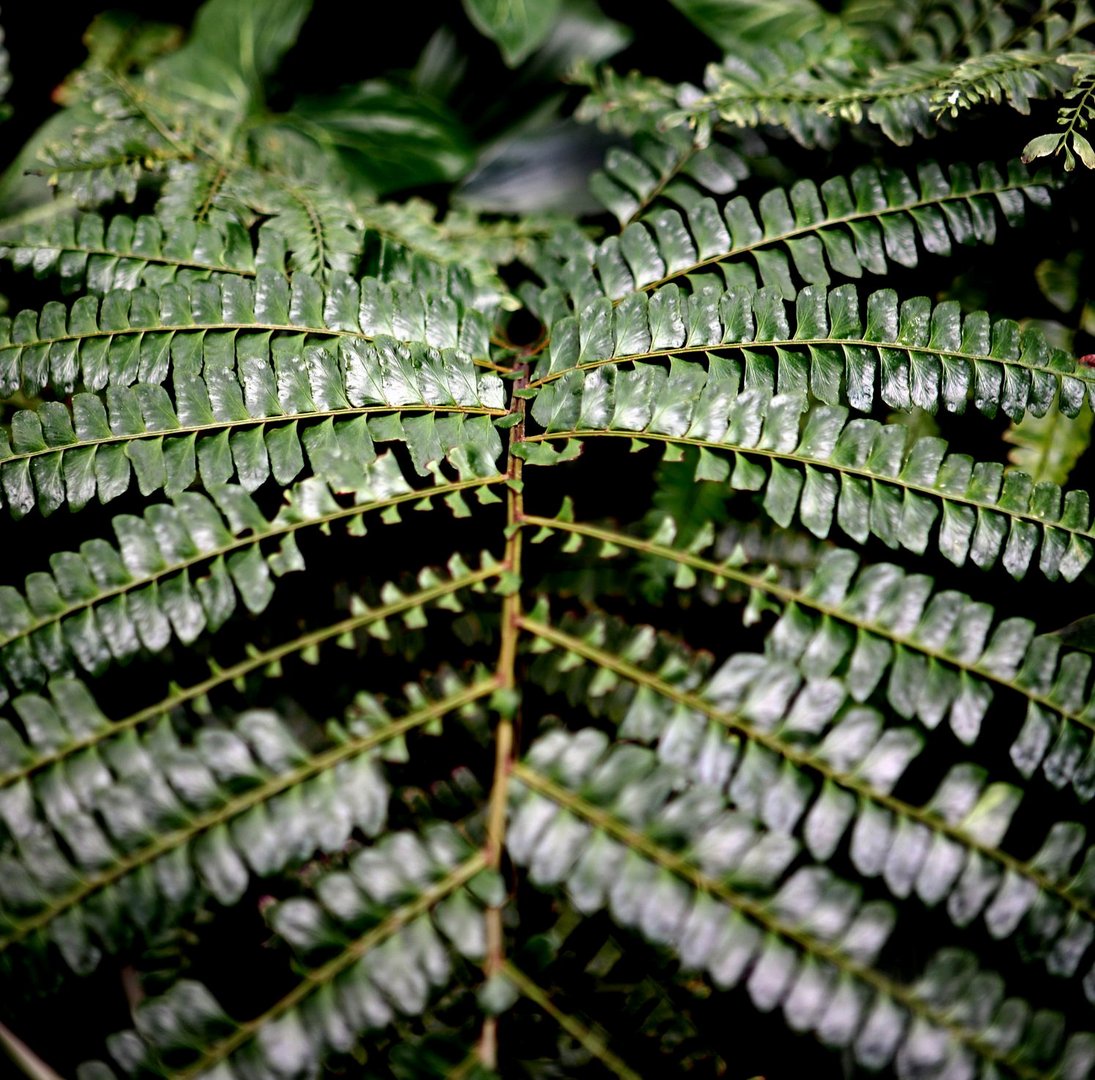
x=507 y=702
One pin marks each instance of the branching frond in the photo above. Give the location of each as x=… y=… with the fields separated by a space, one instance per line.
x=941 y=29
x=406 y=240
x=117 y=138
x=315 y=228
x=1072 y=120
x=501 y=791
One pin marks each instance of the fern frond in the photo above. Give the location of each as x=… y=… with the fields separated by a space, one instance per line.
x=921 y=355
x=862 y=227
x=941 y=29
x=85 y=251
x=195 y=191
x=798 y=758
x=248 y=418
x=936 y=656
x=177 y=571
x=141 y=334
x=238 y=803
x=398 y=918
x=904 y=100
x=631 y=104
x=107 y=161
x=688 y=880
x=523 y=792
x=1072 y=120
x=661 y=167
x=864 y=476
x=407 y=240
x=119 y=138
x=67 y=722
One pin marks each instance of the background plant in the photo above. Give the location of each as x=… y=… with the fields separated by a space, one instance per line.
x=522 y=605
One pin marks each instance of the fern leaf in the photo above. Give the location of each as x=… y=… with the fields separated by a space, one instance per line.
x=859 y=474
x=86 y=252
x=250 y=419
x=68 y=722
x=936 y=656
x=406 y=240
x=903 y=99
x=810 y=946
x=846 y=228
x=141 y=334
x=116 y=136
x=178 y=570
x=798 y=759
x=659 y=168
x=170 y=830
x=942 y=29
x=920 y=355
x=402 y=917
x=317 y=228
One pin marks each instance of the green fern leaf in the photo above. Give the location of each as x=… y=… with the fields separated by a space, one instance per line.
x=87 y=252
x=865 y=224
x=575 y=824
x=919 y=354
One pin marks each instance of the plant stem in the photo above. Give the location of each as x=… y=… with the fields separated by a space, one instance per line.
x=504 y=733
x=591 y=1038
x=25 y=1059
